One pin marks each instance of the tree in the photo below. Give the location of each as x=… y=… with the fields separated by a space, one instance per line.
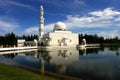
x=10 y=39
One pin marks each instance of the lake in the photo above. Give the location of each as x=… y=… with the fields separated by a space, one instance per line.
x=89 y=64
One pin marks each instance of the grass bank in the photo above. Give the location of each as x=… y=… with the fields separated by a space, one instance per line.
x=13 y=73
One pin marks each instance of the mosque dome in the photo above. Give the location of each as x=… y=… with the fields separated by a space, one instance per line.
x=59 y=26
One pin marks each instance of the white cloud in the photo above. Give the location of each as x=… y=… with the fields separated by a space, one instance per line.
x=7 y=3
x=8 y=26
x=117 y=19
x=79 y=2
x=110 y=34
x=108 y=12
x=32 y=30
x=103 y=19
x=106 y=19
x=21 y=5
x=49 y=27
x=35 y=29
x=62 y=3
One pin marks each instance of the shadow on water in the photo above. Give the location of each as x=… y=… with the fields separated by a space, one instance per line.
x=90 y=64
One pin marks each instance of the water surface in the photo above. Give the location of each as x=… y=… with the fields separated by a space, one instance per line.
x=90 y=64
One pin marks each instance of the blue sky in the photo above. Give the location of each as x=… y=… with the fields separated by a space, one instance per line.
x=101 y=17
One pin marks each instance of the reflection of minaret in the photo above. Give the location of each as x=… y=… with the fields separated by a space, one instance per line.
x=42 y=62
x=42 y=65
x=41 y=27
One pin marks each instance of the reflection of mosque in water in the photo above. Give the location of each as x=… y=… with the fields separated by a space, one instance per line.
x=58 y=58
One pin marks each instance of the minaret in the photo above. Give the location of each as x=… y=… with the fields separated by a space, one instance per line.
x=41 y=27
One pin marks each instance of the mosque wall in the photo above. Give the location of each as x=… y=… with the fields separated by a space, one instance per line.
x=63 y=39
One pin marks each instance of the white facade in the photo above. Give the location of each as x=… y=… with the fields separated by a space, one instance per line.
x=20 y=42
x=23 y=43
x=61 y=38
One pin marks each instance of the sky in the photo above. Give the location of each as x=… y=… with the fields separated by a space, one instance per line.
x=101 y=17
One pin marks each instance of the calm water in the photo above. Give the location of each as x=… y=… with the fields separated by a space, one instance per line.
x=90 y=64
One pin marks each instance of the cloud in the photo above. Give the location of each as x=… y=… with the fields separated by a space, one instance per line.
x=104 y=19
x=7 y=26
x=112 y=34
x=117 y=19
x=32 y=30
x=7 y=3
x=62 y=3
x=35 y=29
x=49 y=27
x=108 y=12
x=79 y=2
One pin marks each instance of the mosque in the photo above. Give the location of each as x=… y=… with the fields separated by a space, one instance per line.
x=58 y=37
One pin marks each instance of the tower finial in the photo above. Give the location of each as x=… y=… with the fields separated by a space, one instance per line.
x=41 y=7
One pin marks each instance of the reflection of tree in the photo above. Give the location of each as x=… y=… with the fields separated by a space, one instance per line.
x=11 y=56
x=113 y=48
x=102 y=48
x=31 y=53
x=117 y=53
x=88 y=51
x=92 y=50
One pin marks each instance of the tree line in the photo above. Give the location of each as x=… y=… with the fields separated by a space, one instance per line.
x=10 y=39
x=96 y=39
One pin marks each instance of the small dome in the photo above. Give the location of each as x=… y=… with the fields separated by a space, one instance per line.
x=59 y=26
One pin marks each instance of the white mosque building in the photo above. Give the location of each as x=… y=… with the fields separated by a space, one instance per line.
x=58 y=37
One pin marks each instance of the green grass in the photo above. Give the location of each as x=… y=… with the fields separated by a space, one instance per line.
x=13 y=73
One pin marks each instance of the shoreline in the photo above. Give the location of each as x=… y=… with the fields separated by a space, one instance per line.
x=17 y=48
